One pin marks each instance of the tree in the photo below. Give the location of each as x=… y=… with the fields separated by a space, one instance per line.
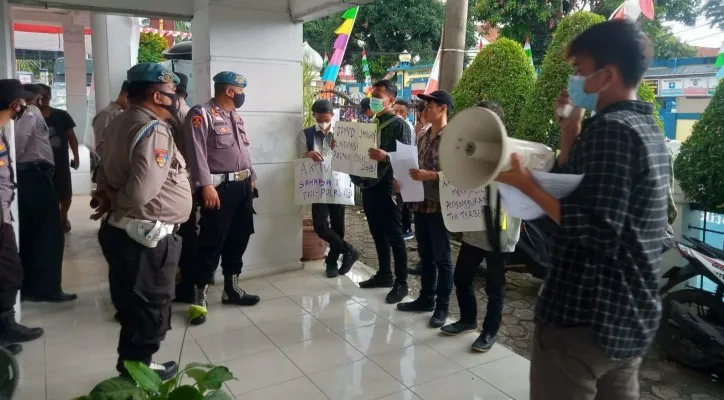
x=538 y=19
x=713 y=10
x=501 y=72
x=151 y=47
x=385 y=29
x=537 y=123
x=699 y=163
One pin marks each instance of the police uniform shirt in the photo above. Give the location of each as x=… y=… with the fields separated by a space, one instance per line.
x=101 y=122
x=7 y=177
x=322 y=143
x=217 y=143
x=32 y=138
x=148 y=181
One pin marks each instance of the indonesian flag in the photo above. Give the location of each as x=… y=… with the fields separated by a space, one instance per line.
x=632 y=9
x=529 y=52
x=480 y=44
x=432 y=82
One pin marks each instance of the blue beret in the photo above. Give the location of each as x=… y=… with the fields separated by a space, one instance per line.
x=151 y=72
x=230 y=78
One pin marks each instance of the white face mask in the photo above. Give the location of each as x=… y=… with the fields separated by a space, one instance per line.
x=324 y=125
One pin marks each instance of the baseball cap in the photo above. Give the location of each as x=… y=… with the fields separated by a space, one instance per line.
x=364 y=105
x=11 y=90
x=440 y=97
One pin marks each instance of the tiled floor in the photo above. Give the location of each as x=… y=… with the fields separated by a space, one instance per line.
x=309 y=338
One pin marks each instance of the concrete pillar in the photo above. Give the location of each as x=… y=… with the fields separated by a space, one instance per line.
x=75 y=75
x=7 y=70
x=265 y=47
x=114 y=52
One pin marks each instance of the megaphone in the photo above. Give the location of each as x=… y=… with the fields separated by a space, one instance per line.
x=476 y=148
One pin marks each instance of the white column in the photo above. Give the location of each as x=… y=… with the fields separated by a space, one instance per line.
x=7 y=70
x=75 y=75
x=265 y=47
x=113 y=54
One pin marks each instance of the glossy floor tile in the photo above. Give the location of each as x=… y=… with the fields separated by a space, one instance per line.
x=310 y=338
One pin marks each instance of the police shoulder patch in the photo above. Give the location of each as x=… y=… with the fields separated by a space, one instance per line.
x=196 y=121
x=161 y=157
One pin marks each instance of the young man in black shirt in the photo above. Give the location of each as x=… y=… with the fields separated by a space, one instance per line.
x=62 y=135
x=599 y=307
x=381 y=206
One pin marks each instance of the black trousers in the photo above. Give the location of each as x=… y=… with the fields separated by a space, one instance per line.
x=328 y=220
x=433 y=246
x=41 y=238
x=406 y=216
x=225 y=233
x=466 y=269
x=188 y=231
x=143 y=280
x=384 y=218
x=11 y=270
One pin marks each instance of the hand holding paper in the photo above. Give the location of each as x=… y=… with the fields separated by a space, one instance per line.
x=521 y=206
x=402 y=161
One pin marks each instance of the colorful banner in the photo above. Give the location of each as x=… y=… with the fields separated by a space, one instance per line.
x=366 y=70
x=340 y=47
x=353 y=141
x=696 y=86
x=529 y=53
x=316 y=183
x=462 y=209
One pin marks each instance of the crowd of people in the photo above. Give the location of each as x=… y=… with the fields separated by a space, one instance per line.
x=175 y=186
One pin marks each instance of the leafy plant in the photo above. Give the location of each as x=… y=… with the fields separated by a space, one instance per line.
x=647 y=94
x=537 y=123
x=309 y=92
x=699 y=163
x=145 y=384
x=501 y=72
x=151 y=47
x=28 y=65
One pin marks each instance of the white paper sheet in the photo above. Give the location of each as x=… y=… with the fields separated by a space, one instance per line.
x=462 y=209
x=521 y=206
x=402 y=161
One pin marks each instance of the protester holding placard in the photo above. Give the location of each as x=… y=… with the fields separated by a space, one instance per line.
x=317 y=142
x=384 y=212
x=433 y=239
x=494 y=245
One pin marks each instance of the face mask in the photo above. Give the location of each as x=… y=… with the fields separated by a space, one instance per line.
x=20 y=112
x=324 y=125
x=578 y=96
x=173 y=107
x=239 y=99
x=377 y=105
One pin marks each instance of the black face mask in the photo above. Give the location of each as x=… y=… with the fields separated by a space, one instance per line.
x=20 y=112
x=239 y=99
x=174 y=106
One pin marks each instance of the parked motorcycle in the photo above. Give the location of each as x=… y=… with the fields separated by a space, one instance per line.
x=692 y=324
x=533 y=248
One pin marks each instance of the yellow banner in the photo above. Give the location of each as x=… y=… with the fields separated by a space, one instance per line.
x=345 y=28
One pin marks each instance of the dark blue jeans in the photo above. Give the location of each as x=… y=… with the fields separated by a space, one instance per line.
x=433 y=246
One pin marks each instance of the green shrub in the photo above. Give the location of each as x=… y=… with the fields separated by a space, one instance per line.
x=501 y=72
x=151 y=47
x=699 y=163
x=538 y=122
x=647 y=94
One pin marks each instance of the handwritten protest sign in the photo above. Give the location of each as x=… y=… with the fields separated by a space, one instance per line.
x=354 y=140
x=315 y=182
x=462 y=209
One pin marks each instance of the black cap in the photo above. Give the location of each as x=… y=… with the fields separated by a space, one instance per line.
x=439 y=97
x=11 y=90
x=365 y=104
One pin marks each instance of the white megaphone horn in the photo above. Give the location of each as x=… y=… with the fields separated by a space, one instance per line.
x=476 y=148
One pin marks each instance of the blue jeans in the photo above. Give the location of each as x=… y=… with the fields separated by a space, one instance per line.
x=433 y=246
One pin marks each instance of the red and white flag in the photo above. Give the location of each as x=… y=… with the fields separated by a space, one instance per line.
x=432 y=82
x=632 y=9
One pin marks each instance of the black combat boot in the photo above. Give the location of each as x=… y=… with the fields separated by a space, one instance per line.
x=234 y=295
x=348 y=259
x=11 y=331
x=200 y=299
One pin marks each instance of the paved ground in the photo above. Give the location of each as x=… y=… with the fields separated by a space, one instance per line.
x=660 y=379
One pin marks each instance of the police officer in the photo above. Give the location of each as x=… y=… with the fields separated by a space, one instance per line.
x=41 y=237
x=188 y=230
x=222 y=173
x=104 y=117
x=143 y=185
x=12 y=107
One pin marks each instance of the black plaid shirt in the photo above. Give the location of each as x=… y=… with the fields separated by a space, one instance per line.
x=607 y=252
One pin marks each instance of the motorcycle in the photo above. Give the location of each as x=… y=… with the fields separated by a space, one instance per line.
x=692 y=325
x=533 y=248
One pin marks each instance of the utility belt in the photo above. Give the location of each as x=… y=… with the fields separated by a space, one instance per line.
x=147 y=233
x=240 y=176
